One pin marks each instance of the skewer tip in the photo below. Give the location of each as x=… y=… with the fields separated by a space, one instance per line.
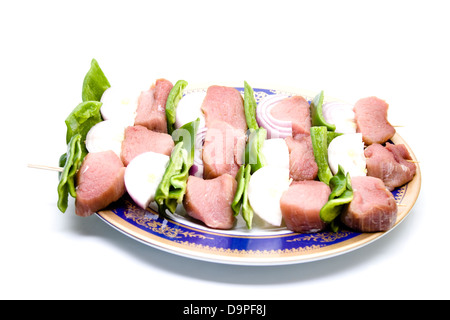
x=42 y=167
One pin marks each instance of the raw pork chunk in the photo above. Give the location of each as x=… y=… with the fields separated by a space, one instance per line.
x=389 y=164
x=139 y=139
x=151 y=110
x=373 y=207
x=302 y=164
x=296 y=110
x=223 y=150
x=224 y=104
x=210 y=200
x=301 y=204
x=99 y=182
x=371 y=120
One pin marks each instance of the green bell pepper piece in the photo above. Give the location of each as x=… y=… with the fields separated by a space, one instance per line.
x=331 y=135
x=247 y=211
x=73 y=160
x=341 y=194
x=317 y=118
x=94 y=83
x=241 y=197
x=237 y=201
x=333 y=207
x=187 y=134
x=256 y=135
x=320 y=148
x=82 y=119
x=174 y=97
x=165 y=197
x=250 y=107
x=338 y=183
x=172 y=187
x=253 y=148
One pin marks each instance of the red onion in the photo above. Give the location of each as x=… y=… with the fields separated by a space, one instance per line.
x=197 y=167
x=275 y=128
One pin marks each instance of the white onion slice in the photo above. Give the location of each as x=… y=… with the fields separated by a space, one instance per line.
x=189 y=109
x=119 y=104
x=275 y=128
x=265 y=189
x=106 y=135
x=341 y=115
x=276 y=153
x=347 y=150
x=143 y=175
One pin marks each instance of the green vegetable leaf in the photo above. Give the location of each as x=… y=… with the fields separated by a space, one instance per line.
x=341 y=194
x=174 y=97
x=237 y=201
x=94 y=83
x=253 y=157
x=332 y=209
x=317 y=118
x=241 y=197
x=253 y=148
x=73 y=160
x=187 y=134
x=62 y=162
x=349 y=182
x=82 y=119
x=256 y=135
x=320 y=148
x=250 y=107
x=172 y=187
x=247 y=211
x=338 y=183
x=165 y=197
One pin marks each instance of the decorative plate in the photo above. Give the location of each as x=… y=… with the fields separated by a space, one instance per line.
x=181 y=235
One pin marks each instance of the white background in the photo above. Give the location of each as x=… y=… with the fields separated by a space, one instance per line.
x=396 y=50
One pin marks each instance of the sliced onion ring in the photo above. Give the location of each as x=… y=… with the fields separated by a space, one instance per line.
x=341 y=115
x=275 y=128
x=197 y=167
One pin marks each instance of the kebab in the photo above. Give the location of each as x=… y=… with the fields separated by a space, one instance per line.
x=249 y=179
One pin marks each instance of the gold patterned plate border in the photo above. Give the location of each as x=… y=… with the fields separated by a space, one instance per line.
x=285 y=247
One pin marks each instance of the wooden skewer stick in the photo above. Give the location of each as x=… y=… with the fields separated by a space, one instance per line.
x=38 y=166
